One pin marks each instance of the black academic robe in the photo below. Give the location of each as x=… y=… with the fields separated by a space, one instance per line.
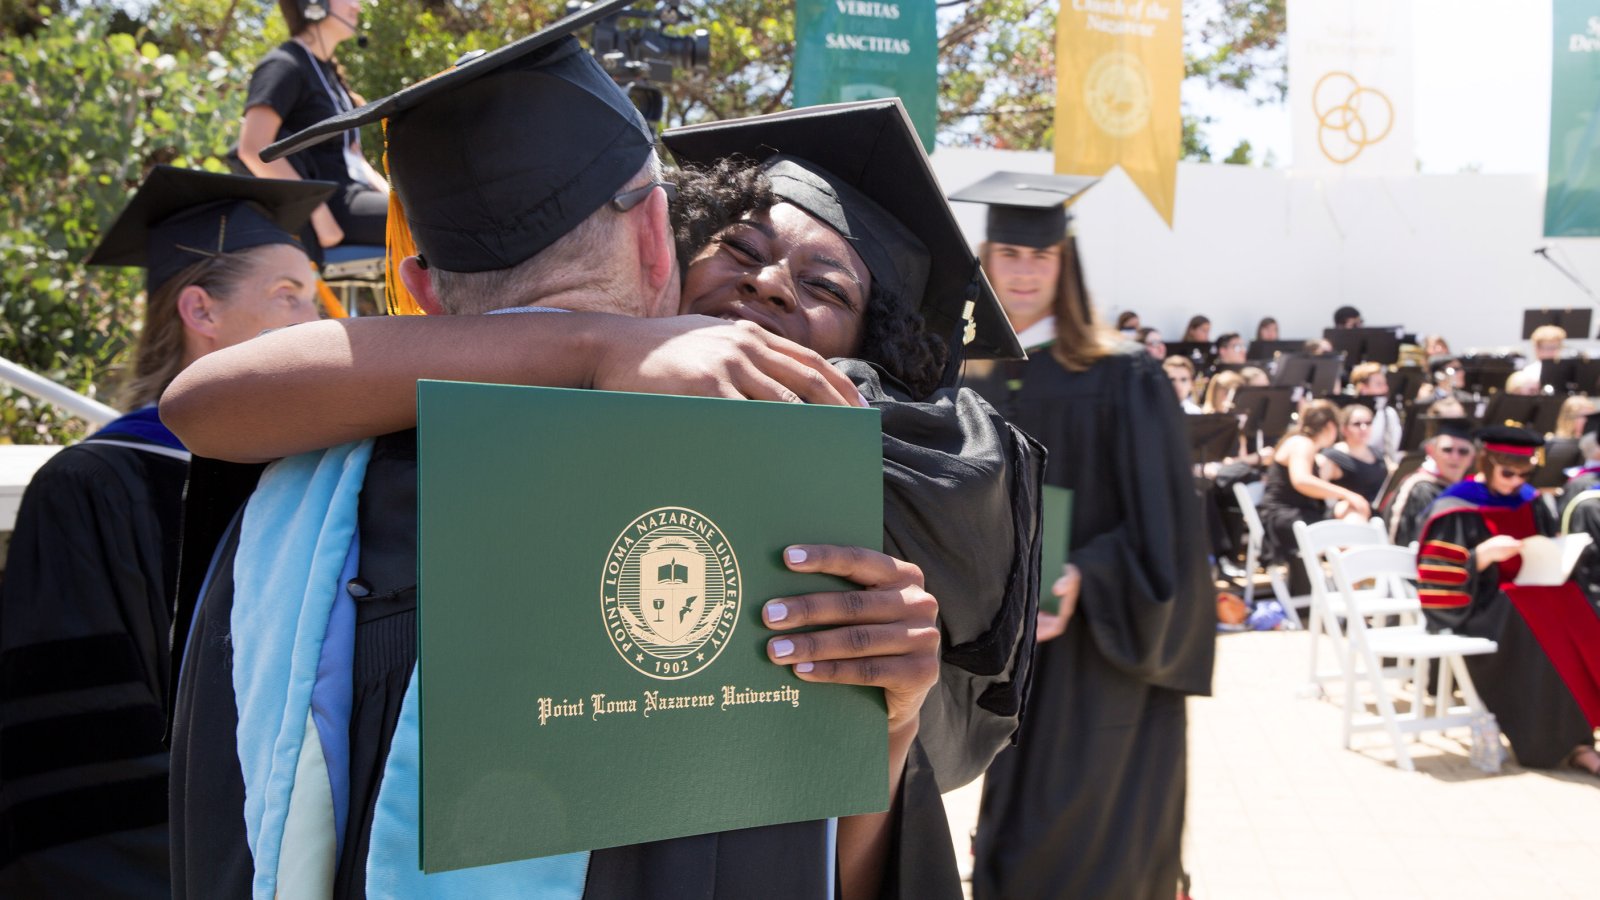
x=1090 y=802
x=1519 y=683
x=83 y=670
x=1409 y=509
x=1579 y=512
x=956 y=478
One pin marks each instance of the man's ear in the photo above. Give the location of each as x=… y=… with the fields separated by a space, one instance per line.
x=658 y=253
x=416 y=280
x=198 y=310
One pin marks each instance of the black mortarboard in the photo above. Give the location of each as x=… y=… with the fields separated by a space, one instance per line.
x=1510 y=440
x=1459 y=428
x=1025 y=209
x=181 y=216
x=831 y=159
x=496 y=158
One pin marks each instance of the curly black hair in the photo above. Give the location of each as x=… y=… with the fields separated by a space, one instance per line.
x=894 y=335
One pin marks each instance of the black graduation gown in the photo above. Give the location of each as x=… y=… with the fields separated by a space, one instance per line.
x=1090 y=802
x=1583 y=518
x=1412 y=501
x=1518 y=682
x=83 y=671
x=956 y=479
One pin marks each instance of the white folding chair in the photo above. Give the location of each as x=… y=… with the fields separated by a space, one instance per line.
x=1327 y=608
x=1392 y=567
x=1255 y=538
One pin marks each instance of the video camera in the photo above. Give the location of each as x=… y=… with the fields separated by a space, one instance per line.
x=639 y=55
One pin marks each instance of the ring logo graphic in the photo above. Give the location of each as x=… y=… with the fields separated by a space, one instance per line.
x=669 y=598
x=1350 y=117
x=1117 y=93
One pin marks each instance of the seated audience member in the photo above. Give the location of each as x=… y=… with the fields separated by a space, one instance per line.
x=1448 y=406
x=1220 y=391
x=1153 y=344
x=1295 y=493
x=1548 y=341
x=1255 y=377
x=1370 y=380
x=1449 y=379
x=1574 y=414
x=1267 y=329
x=1353 y=462
x=1180 y=371
x=1449 y=456
x=1318 y=347
x=1523 y=383
x=1347 y=317
x=1543 y=682
x=1198 y=331
x=1435 y=345
x=1579 y=511
x=1128 y=322
x=1230 y=349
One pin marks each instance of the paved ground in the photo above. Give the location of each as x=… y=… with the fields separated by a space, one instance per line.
x=1278 y=809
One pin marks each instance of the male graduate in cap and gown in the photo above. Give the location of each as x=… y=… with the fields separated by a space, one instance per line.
x=1543 y=683
x=532 y=83
x=1450 y=452
x=84 y=606
x=1090 y=803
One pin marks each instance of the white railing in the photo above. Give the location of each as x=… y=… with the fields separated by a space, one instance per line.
x=44 y=389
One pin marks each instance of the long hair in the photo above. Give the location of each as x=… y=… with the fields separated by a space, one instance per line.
x=1079 y=344
x=296 y=20
x=1317 y=415
x=1221 y=390
x=158 y=357
x=893 y=334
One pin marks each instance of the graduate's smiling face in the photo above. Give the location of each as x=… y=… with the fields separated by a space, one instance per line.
x=789 y=273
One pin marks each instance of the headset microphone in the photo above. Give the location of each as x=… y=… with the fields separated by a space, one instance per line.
x=361 y=39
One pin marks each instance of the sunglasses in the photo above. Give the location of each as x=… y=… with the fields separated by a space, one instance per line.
x=1456 y=451
x=1508 y=472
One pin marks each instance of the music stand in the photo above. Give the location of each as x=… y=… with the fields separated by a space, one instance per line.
x=1266 y=410
x=1575 y=322
x=1201 y=353
x=1404 y=383
x=1321 y=372
x=1213 y=437
x=1587 y=376
x=1485 y=373
x=1560 y=375
x=1359 y=345
x=1267 y=351
x=1537 y=414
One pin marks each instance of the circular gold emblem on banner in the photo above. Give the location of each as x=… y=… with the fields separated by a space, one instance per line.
x=1117 y=93
x=669 y=597
x=1350 y=117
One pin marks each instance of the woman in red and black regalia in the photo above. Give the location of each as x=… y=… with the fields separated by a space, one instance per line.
x=1543 y=685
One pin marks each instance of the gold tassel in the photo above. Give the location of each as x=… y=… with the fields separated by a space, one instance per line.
x=398 y=245
x=330 y=301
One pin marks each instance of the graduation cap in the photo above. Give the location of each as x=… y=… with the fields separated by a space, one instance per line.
x=1509 y=440
x=497 y=157
x=1455 y=427
x=180 y=216
x=860 y=168
x=1026 y=209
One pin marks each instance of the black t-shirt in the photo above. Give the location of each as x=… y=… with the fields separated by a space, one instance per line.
x=302 y=90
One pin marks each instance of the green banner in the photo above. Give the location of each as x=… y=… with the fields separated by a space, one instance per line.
x=1572 y=198
x=859 y=50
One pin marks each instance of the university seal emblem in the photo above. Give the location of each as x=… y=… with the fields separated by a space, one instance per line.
x=1117 y=94
x=669 y=597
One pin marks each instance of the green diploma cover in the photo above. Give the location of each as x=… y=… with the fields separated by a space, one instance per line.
x=1055 y=533
x=593 y=667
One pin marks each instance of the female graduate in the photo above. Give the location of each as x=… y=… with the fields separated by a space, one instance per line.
x=772 y=266
x=84 y=607
x=1543 y=684
x=299 y=84
x=1090 y=801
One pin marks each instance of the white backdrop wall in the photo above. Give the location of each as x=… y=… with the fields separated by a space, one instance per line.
x=1445 y=253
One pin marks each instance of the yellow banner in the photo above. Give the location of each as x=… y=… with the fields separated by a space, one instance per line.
x=1119 y=64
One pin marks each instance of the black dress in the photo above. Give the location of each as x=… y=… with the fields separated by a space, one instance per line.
x=83 y=672
x=1365 y=478
x=1090 y=803
x=1281 y=507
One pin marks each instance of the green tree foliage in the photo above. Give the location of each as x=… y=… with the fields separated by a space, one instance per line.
x=1241 y=155
x=85 y=111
